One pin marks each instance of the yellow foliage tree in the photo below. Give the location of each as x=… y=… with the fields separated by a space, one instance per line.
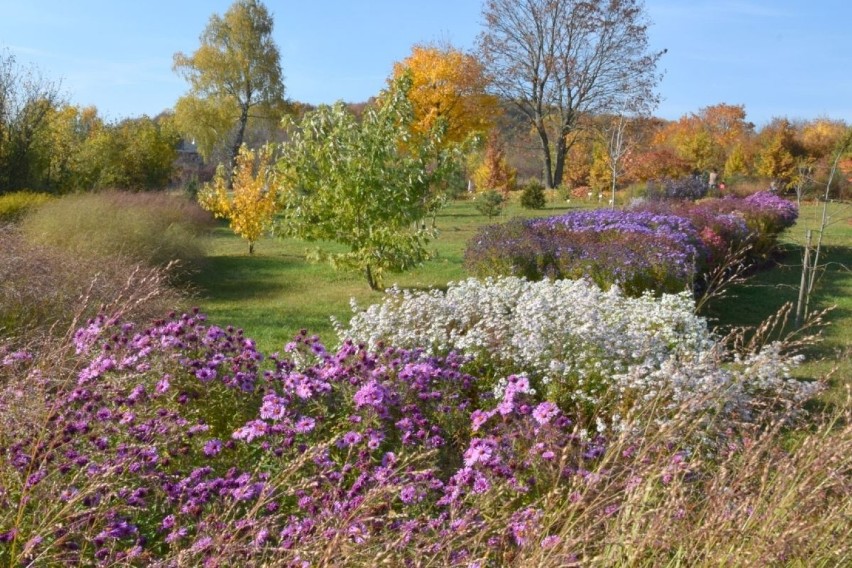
x=819 y=137
x=777 y=157
x=737 y=162
x=251 y=204
x=451 y=85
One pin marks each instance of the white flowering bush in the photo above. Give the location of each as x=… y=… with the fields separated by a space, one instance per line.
x=596 y=353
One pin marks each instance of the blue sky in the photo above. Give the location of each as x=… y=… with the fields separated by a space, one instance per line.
x=777 y=57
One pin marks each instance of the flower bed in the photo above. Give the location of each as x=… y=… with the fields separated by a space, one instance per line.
x=179 y=445
x=596 y=353
x=660 y=246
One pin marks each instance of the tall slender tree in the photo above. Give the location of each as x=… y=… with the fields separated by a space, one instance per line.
x=234 y=75
x=557 y=60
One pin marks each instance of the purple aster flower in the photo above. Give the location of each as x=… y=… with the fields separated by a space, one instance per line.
x=273 y=407
x=408 y=494
x=205 y=375
x=544 y=412
x=371 y=394
x=201 y=544
x=478 y=451
x=304 y=425
x=212 y=447
x=163 y=384
x=252 y=430
x=261 y=537
x=168 y=522
x=350 y=439
x=478 y=418
x=481 y=483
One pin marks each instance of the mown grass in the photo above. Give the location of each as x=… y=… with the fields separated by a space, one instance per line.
x=276 y=292
x=768 y=290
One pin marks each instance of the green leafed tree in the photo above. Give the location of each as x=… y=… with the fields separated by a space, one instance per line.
x=365 y=184
x=234 y=76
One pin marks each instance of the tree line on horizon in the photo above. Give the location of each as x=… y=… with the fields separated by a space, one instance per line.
x=534 y=101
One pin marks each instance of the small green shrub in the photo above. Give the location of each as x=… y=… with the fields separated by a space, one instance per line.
x=533 y=195
x=490 y=203
x=13 y=206
x=151 y=228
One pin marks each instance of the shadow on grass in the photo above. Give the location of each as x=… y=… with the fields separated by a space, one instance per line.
x=238 y=277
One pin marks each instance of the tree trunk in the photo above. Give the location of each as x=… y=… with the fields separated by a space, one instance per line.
x=241 y=131
x=559 y=168
x=371 y=280
x=547 y=163
x=251 y=247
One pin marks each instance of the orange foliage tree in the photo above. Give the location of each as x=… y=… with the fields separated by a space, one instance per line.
x=494 y=172
x=706 y=140
x=449 y=85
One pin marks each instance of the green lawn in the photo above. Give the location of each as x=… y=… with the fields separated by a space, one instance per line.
x=767 y=291
x=276 y=292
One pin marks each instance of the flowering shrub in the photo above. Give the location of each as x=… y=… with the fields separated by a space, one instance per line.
x=719 y=231
x=596 y=353
x=661 y=246
x=765 y=215
x=179 y=445
x=170 y=442
x=637 y=250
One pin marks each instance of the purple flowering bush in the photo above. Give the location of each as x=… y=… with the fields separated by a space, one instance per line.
x=180 y=444
x=172 y=442
x=659 y=246
x=637 y=250
x=765 y=214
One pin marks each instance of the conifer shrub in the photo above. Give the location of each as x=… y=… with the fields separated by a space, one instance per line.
x=533 y=196
x=490 y=203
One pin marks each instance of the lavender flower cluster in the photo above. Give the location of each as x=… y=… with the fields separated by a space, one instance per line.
x=637 y=250
x=173 y=443
x=662 y=246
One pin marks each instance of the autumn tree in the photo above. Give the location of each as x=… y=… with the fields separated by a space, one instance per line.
x=557 y=60
x=234 y=76
x=819 y=137
x=776 y=159
x=448 y=84
x=657 y=162
x=493 y=171
x=251 y=203
x=363 y=183
x=26 y=101
x=578 y=163
x=707 y=139
x=816 y=139
x=737 y=162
